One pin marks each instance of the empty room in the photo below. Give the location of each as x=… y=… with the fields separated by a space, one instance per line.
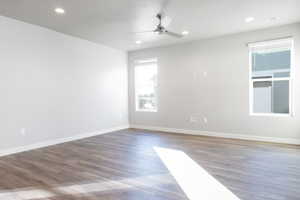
x=149 y=100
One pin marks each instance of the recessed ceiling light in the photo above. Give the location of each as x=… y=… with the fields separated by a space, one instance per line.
x=249 y=19
x=59 y=10
x=138 y=42
x=185 y=33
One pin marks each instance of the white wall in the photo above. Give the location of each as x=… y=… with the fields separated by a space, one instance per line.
x=222 y=96
x=57 y=86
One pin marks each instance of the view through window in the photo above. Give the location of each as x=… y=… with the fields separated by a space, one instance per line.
x=145 y=86
x=271 y=77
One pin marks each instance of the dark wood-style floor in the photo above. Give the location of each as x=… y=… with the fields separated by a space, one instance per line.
x=124 y=166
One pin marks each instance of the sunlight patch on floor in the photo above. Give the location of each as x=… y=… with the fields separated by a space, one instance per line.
x=195 y=181
x=26 y=194
x=144 y=181
x=151 y=181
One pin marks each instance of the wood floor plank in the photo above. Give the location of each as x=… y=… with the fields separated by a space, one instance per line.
x=124 y=166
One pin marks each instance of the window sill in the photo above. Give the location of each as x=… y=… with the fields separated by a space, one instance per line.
x=270 y=115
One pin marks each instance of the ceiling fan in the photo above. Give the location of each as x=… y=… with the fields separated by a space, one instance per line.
x=160 y=29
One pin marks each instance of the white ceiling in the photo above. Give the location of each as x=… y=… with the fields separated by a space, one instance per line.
x=112 y=22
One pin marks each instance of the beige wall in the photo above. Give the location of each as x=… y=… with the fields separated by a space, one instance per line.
x=222 y=96
x=56 y=86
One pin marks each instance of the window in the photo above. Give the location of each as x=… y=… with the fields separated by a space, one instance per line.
x=145 y=73
x=271 y=77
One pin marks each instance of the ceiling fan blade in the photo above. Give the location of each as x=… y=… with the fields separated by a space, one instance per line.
x=141 y=32
x=177 y=35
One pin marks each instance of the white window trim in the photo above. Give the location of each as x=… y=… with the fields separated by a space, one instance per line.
x=138 y=63
x=290 y=41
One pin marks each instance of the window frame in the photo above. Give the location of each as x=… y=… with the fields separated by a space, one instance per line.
x=270 y=43
x=139 y=63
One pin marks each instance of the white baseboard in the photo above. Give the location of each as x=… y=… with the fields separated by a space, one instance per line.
x=218 y=134
x=59 y=141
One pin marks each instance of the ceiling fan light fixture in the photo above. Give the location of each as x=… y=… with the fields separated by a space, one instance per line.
x=161 y=30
